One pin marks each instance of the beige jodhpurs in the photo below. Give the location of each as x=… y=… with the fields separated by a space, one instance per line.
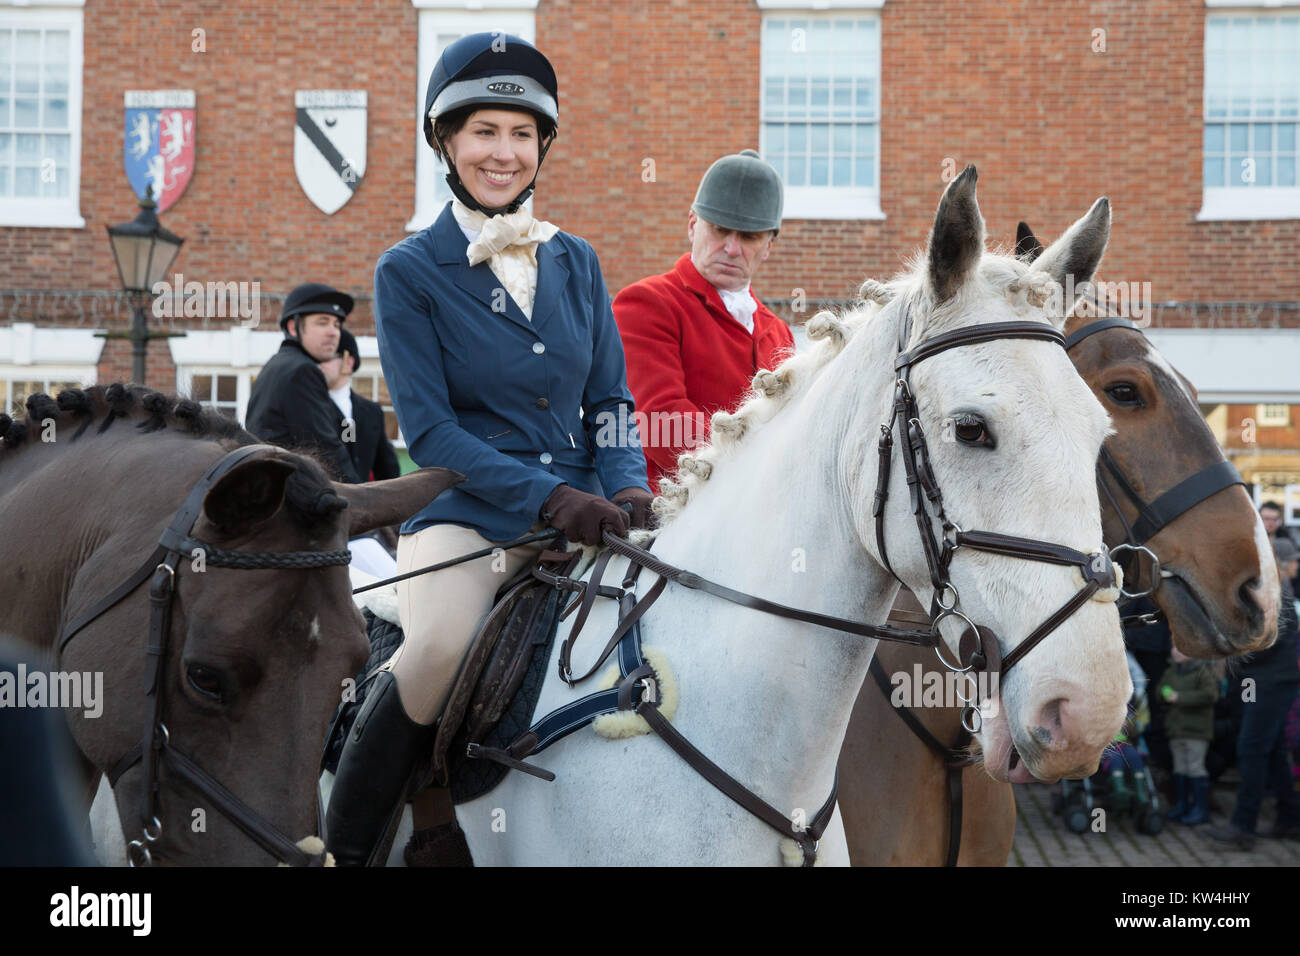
x=442 y=611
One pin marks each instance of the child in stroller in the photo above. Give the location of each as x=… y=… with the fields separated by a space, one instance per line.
x=1122 y=784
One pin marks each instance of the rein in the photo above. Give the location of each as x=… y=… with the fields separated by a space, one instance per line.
x=155 y=749
x=452 y=562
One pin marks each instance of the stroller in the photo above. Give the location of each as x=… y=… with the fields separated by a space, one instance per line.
x=1122 y=785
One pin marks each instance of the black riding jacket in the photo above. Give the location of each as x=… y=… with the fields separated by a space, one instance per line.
x=290 y=406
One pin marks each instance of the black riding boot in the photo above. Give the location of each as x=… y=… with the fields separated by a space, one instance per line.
x=370 y=788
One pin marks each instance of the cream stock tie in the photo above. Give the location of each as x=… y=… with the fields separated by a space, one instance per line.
x=508 y=244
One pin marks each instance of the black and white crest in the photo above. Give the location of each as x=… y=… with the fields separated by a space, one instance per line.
x=329 y=145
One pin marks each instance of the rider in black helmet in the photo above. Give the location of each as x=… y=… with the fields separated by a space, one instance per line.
x=290 y=403
x=503 y=362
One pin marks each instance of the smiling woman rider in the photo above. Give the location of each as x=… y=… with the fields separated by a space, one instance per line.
x=503 y=362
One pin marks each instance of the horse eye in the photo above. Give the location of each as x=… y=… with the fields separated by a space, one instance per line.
x=205 y=680
x=1124 y=393
x=971 y=430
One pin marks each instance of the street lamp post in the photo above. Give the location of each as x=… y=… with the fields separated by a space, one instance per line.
x=144 y=252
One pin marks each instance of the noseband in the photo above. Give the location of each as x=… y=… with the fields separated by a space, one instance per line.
x=160 y=569
x=1154 y=516
x=979 y=649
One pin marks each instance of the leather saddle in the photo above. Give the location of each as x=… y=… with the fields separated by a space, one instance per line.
x=522 y=622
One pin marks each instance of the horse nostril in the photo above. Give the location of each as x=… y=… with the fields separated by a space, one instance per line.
x=1246 y=595
x=1050 y=727
x=1052 y=713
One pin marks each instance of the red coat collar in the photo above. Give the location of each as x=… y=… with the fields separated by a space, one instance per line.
x=690 y=277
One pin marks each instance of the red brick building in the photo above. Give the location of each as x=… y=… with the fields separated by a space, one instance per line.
x=1183 y=112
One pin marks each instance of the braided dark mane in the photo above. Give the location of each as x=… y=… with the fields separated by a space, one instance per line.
x=308 y=490
x=107 y=404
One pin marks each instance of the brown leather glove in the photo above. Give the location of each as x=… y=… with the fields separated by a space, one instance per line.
x=580 y=516
x=639 y=499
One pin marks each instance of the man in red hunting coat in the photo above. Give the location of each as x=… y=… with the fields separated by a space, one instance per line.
x=695 y=336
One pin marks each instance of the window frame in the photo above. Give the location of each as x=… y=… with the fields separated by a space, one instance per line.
x=517 y=17
x=828 y=202
x=57 y=212
x=1243 y=203
x=1266 y=420
x=44 y=372
x=243 y=384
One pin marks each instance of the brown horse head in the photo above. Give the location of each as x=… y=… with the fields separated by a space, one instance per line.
x=256 y=659
x=1218 y=585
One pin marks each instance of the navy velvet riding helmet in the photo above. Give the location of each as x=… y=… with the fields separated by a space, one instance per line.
x=492 y=70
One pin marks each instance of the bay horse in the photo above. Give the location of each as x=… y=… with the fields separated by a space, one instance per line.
x=780 y=505
x=262 y=629
x=1218 y=589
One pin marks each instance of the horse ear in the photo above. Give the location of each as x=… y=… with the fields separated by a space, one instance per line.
x=957 y=240
x=1028 y=248
x=247 y=495
x=378 y=504
x=1073 y=259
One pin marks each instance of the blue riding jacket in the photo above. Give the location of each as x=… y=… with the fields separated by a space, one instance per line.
x=480 y=389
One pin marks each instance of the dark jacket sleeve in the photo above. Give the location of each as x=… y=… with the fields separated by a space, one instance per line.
x=385 y=464
x=316 y=420
x=1277 y=664
x=411 y=355
x=621 y=463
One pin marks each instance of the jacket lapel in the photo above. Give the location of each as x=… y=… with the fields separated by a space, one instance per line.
x=479 y=281
x=552 y=276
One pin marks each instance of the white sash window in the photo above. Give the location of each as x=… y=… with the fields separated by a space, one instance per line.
x=40 y=114
x=1252 y=115
x=820 y=110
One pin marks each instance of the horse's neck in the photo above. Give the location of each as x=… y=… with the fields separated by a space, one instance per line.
x=117 y=529
x=770 y=694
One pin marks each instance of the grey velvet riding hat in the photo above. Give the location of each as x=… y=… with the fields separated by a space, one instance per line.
x=742 y=192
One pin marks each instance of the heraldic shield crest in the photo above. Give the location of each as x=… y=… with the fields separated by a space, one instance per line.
x=329 y=145
x=159 y=147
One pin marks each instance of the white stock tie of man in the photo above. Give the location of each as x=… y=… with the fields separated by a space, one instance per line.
x=741 y=305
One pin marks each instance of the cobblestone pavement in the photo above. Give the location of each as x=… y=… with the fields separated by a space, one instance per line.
x=1043 y=839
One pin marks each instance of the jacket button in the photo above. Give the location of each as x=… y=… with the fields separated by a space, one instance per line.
x=542 y=404
x=539 y=348
x=545 y=458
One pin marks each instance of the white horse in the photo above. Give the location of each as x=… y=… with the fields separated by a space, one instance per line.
x=781 y=506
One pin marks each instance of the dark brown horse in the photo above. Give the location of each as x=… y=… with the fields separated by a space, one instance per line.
x=256 y=659
x=1219 y=592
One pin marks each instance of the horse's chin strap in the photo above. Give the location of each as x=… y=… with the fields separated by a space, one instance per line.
x=155 y=749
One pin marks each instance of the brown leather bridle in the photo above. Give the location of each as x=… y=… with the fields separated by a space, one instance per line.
x=979 y=648
x=156 y=749
x=1153 y=516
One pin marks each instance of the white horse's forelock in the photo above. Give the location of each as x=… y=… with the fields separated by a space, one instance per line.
x=772 y=389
